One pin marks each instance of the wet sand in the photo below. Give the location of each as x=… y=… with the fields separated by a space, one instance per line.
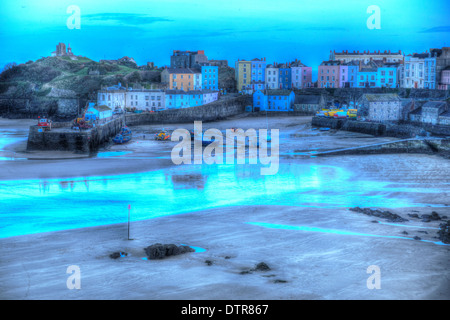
x=313 y=253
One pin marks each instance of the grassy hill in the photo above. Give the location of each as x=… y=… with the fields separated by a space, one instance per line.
x=48 y=84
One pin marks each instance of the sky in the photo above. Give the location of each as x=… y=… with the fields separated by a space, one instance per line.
x=281 y=31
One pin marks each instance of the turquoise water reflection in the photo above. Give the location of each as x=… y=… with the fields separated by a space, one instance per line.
x=31 y=206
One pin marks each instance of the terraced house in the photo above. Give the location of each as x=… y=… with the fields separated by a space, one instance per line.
x=181 y=79
x=258 y=74
x=210 y=77
x=272 y=76
x=243 y=74
x=329 y=74
x=301 y=75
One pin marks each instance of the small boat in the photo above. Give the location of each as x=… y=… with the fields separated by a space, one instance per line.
x=123 y=136
x=162 y=135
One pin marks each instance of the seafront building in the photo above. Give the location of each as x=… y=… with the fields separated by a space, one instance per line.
x=123 y=98
x=273 y=100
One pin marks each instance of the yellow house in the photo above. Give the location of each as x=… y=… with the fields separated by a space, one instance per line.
x=243 y=70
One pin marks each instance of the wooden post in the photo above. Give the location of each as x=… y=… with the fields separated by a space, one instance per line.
x=129 y=207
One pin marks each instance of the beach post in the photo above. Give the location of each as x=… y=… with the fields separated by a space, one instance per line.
x=129 y=208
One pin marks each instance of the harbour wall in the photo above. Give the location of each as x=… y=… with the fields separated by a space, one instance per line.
x=217 y=110
x=382 y=129
x=65 y=139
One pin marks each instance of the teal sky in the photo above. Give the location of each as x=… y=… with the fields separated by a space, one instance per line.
x=282 y=30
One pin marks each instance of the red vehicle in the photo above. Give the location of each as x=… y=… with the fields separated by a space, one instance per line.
x=44 y=123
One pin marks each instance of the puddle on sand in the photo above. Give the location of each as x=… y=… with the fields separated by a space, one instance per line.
x=334 y=231
x=33 y=206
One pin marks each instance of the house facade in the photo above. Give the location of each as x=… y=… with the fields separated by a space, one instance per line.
x=210 y=78
x=181 y=78
x=273 y=100
x=380 y=107
x=243 y=74
x=328 y=74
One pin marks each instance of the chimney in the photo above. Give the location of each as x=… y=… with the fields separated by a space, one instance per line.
x=389 y=51
x=264 y=58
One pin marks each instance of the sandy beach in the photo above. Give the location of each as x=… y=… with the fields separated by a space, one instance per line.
x=298 y=222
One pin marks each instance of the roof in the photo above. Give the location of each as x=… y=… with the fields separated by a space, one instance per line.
x=367 y=53
x=331 y=63
x=434 y=104
x=445 y=114
x=278 y=92
x=175 y=92
x=371 y=97
x=307 y=99
x=102 y=108
x=181 y=70
x=416 y=111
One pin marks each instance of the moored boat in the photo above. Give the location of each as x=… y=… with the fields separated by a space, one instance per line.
x=123 y=136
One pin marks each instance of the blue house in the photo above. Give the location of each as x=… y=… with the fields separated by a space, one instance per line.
x=210 y=77
x=259 y=101
x=258 y=76
x=195 y=98
x=387 y=76
x=273 y=100
x=176 y=99
x=353 y=69
x=285 y=77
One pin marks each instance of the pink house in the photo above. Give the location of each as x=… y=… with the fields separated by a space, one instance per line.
x=301 y=75
x=329 y=74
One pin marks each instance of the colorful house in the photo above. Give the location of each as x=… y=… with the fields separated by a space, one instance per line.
x=272 y=76
x=328 y=76
x=301 y=75
x=285 y=77
x=210 y=77
x=243 y=74
x=273 y=100
x=96 y=113
x=258 y=74
x=179 y=78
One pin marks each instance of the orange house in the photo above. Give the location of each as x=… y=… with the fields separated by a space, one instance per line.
x=181 y=79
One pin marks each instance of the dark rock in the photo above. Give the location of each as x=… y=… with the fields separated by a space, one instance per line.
x=426 y=220
x=117 y=255
x=389 y=216
x=227 y=257
x=433 y=216
x=413 y=215
x=444 y=232
x=423 y=232
x=417 y=238
x=404 y=232
x=209 y=262
x=262 y=266
x=279 y=281
x=444 y=217
x=245 y=272
x=160 y=251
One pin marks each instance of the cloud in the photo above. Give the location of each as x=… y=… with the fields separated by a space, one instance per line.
x=123 y=18
x=437 y=29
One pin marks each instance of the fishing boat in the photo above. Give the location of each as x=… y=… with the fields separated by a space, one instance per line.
x=123 y=136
